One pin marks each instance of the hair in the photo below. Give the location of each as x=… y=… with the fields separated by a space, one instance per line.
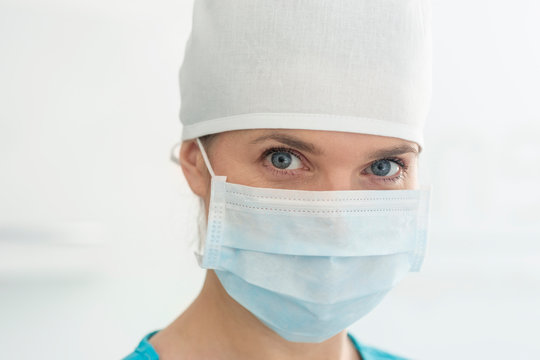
x=207 y=139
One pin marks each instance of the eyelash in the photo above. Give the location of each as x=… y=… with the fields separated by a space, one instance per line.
x=402 y=173
x=282 y=149
x=285 y=172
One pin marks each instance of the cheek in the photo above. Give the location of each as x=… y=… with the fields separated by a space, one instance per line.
x=240 y=167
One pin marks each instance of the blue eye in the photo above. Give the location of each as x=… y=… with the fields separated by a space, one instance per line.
x=384 y=167
x=284 y=160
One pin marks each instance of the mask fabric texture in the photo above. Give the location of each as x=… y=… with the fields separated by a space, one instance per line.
x=310 y=263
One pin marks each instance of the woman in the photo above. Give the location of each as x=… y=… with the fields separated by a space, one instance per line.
x=302 y=130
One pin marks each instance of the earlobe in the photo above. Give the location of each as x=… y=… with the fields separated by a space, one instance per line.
x=193 y=167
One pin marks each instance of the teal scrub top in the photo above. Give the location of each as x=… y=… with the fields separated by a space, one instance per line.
x=145 y=351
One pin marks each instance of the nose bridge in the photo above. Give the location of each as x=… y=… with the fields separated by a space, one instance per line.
x=339 y=179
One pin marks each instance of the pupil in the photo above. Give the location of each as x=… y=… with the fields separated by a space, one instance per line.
x=281 y=160
x=381 y=167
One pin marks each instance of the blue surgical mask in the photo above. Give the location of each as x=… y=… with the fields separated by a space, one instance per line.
x=308 y=264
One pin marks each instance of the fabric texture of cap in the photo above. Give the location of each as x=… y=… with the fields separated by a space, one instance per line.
x=359 y=66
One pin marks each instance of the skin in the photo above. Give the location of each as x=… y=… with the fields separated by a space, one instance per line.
x=215 y=326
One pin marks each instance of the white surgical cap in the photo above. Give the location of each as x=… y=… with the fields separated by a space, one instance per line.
x=360 y=66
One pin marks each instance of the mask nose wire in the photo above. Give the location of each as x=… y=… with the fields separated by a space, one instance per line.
x=205 y=157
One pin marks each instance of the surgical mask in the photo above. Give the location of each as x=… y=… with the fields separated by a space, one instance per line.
x=308 y=264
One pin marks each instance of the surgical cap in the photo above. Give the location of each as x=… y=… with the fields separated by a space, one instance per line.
x=360 y=66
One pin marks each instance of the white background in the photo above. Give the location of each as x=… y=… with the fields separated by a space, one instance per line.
x=95 y=221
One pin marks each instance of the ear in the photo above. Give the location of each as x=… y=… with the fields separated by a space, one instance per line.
x=194 y=168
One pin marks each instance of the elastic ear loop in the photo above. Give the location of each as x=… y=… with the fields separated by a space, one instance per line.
x=176 y=159
x=199 y=251
x=205 y=157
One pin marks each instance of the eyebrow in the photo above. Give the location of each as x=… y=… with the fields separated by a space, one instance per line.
x=290 y=141
x=394 y=151
x=305 y=146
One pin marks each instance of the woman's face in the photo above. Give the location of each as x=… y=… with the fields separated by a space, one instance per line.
x=303 y=160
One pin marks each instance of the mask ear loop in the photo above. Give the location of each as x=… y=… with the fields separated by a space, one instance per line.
x=175 y=159
x=208 y=253
x=205 y=157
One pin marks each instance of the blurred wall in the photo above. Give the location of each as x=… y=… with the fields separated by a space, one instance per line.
x=95 y=221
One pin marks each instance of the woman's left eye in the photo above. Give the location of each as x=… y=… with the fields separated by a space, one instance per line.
x=384 y=167
x=284 y=160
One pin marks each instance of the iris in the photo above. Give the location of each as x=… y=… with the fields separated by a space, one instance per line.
x=281 y=160
x=381 y=167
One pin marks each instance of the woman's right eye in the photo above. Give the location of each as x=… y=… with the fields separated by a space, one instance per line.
x=284 y=160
